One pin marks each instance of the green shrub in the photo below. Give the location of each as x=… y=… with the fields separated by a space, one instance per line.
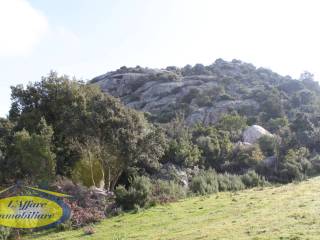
x=167 y=191
x=215 y=145
x=245 y=157
x=138 y=194
x=252 y=179
x=183 y=152
x=315 y=161
x=4 y=233
x=230 y=182
x=268 y=145
x=275 y=124
x=206 y=182
x=295 y=165
x=234 y=124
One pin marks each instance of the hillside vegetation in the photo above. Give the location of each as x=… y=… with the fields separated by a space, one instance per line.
x=204 y=93
x=138 y=137
x=285 y=212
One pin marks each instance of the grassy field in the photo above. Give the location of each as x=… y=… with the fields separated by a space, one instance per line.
x=286 y=212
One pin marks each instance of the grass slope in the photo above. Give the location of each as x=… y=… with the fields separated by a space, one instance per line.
x=286 y=212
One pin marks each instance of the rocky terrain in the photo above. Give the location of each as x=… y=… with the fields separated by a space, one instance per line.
x=201 y=93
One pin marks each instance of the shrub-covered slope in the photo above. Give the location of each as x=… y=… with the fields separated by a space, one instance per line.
x=204 y=93
x=286 y=212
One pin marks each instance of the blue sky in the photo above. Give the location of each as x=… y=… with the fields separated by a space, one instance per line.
x=86 y=38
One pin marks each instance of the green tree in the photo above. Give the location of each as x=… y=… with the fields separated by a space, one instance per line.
x=6 y=135
x=275 y=124
x=295 y=164
x=245 y=157
x=82 y=116
x=234 y=124
x=183 y=152
x=269 y=145
x=30 y=155
x=214 y=144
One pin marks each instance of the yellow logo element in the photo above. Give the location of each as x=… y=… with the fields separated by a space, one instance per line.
x=29 y=212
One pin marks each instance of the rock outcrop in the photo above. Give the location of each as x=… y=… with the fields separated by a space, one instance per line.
x=253 y=133
x=202 y=93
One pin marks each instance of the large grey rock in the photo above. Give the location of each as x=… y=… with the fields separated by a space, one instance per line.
x=209 y=115
x=161 y=91
x=253 y=133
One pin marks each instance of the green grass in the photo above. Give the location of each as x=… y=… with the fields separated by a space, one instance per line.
x=286 y=212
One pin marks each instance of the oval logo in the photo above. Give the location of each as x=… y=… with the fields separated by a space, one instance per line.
x=30 y=212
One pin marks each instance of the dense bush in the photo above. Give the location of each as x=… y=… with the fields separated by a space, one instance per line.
x=275 y=124
x=252 y=179
x=268 y=145
x=230 y=182
x=234 y=124
x=206 y=182
x=215 y=145
x=245 y=157
x=31 y=156
x=183 y=152
x=167 y=191
x=315 y=161
x=138 y=193
x=144 y=192
x=295 y=165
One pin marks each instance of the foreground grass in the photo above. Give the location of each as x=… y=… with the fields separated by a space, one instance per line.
x=287 y=212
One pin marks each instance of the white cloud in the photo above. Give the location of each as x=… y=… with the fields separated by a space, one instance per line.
x=21 y=27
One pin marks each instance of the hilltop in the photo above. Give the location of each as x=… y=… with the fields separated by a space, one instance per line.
x=204 y=93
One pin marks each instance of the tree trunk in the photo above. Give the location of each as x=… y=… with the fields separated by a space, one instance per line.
x=91 y=169
x=115 y=180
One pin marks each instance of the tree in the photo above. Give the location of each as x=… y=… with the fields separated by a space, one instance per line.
x=234 y=124
x=6 y=135
x=183 y=152
x=295 y=164
x=269 y=145
x=275 y=124
x=214 y=144
x=303 y=97
x=272 y=105
x=31 y=157
x=245 y=157
x=307 y=79
x=86 y=123
x=97 y=166
x=306 y=76
x=151 y=149
x=304 y=131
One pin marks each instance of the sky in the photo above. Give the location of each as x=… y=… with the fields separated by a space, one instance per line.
x=87 y=38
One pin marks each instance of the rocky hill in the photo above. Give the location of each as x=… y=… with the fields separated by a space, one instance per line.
x=204 y=93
